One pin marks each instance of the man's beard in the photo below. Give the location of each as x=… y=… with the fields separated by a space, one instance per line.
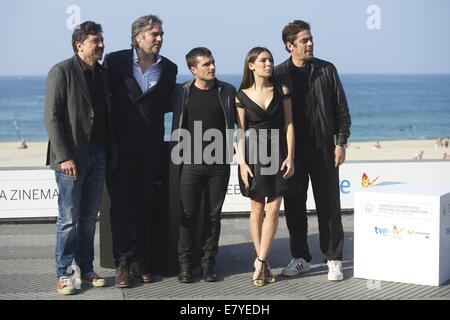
x=98 y=55
x=309 y=57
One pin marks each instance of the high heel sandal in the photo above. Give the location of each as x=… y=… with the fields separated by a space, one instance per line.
x=258 y=275
x=268 y=275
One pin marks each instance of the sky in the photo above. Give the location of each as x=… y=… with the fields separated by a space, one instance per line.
x=358 y=36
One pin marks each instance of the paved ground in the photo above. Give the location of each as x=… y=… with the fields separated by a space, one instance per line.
x=27 y=271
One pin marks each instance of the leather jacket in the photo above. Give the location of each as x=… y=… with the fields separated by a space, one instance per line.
x=179 y=101
x=329 y=104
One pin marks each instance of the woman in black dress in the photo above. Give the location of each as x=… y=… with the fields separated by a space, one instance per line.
x=266 y=152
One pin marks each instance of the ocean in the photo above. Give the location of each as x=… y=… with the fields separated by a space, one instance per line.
x=383 y=107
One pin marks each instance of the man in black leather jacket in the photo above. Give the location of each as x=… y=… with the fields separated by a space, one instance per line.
x=322 y=122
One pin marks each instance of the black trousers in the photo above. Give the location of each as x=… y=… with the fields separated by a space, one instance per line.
x=317 y=165
x=131 y=187
x=197 y=180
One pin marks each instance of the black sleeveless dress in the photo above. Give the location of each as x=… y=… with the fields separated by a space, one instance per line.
x=267 y=178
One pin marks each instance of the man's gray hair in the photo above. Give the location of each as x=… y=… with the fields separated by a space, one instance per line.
x=140 y=26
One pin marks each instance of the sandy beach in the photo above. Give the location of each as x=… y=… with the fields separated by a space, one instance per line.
x=34 y=155
x=396 y=150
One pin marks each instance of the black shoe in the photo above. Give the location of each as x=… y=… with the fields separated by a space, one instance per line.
x=185 y=275
x=123 y=278
x=141 y=273
x=209 y=275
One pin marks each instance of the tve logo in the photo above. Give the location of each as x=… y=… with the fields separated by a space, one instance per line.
x=344 y=186
x=381 y=231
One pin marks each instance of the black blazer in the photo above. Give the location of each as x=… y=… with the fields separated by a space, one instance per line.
x=138 y=117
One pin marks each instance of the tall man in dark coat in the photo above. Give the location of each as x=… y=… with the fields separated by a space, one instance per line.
x=141 y=81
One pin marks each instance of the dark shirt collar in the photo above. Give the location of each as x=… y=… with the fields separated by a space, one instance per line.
x=294 y=68
x=85 y=67
x=215 y=86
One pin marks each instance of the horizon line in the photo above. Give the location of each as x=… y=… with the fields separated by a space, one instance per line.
x=234 y=74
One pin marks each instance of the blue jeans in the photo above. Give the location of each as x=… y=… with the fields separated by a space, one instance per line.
x=78 y=206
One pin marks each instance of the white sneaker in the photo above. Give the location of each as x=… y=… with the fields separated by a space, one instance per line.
x=296 y=266
x=335 y=270
x=65 y=286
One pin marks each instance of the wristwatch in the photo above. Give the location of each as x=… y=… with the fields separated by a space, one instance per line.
x=342 y=145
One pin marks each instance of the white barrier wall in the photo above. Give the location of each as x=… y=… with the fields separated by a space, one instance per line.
x=32 y=192
x=28 y=193
x=426 y=172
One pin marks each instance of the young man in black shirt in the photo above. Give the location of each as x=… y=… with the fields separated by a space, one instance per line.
x=203 y=111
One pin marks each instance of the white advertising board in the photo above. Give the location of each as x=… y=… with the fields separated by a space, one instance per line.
x=351 y=173
x=28 y=193
x=402 y=233
x=32 y=192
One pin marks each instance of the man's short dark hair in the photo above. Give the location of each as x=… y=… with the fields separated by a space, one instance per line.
x=291 y=30
x=191 y=57
x=82 y=31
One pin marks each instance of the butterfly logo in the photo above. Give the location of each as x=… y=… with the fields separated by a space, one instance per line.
x=396 y=231
x=366 y=181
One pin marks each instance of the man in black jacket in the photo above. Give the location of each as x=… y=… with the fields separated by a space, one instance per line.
x=202 y=107
x=322 y=123
x=141 y=82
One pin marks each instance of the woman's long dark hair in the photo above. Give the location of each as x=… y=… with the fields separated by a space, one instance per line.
x=248 y=79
